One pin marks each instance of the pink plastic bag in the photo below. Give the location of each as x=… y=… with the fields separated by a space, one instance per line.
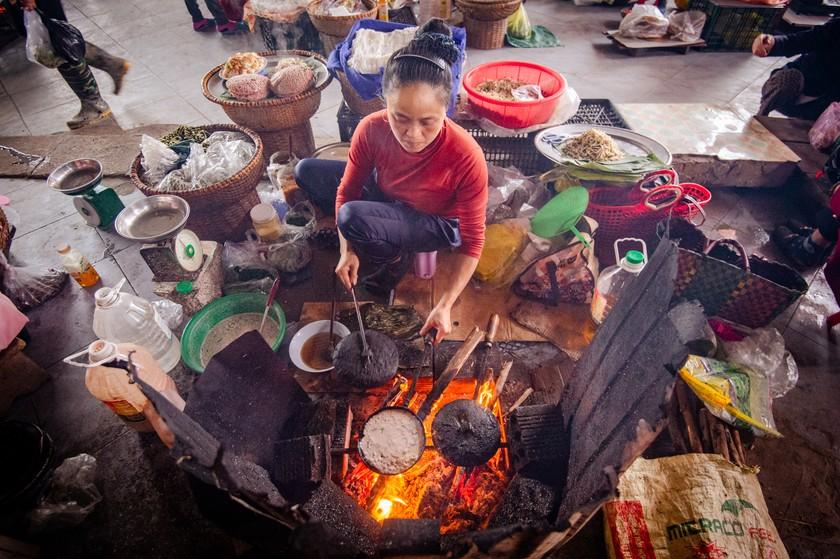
x=826 y=129
x=12 y=322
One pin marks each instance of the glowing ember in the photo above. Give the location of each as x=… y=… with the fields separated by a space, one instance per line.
x=463 y=499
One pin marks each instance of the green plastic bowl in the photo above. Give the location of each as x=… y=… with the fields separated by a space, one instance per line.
x=223 y=307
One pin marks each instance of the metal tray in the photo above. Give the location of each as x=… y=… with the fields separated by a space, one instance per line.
x=153 y=219
x=631 y=143
x=216 y=84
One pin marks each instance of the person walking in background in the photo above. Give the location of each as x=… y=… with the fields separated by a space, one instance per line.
x=804 y=87
x=219 y=23
x=78 y=76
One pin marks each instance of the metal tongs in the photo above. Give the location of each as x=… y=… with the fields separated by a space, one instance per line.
x=365 y=349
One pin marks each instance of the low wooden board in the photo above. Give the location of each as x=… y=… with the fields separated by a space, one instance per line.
x=473 y=308
x=635 y=44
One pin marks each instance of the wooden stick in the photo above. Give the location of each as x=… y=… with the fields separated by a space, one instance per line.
x=674 y=427
x=458 y=360
x=720 y=437
x=736 y=435
x=688 y=418
x=521 y=400
x=705 y=429
x=500 y=383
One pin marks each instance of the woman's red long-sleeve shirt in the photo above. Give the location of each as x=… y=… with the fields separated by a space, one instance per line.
x=448 y=178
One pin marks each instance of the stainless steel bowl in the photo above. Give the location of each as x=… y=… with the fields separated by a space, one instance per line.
x=153 y=219
x=75 y=177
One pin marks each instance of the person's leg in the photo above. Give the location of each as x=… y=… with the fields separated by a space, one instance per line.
x=200 y=23
x=81 y=81
x=319 y=179
x=388 y=234
x=781 y=90
x=808 y=111
x=114 y=66
x=808 y=247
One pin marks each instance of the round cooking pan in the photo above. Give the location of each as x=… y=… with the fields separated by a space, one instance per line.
x=466 y=433
x=356 y=369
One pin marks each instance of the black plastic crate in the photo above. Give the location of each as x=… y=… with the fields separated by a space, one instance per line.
x=733 y=25
x=510 y=151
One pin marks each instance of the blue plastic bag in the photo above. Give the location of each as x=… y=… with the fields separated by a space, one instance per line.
x=369 y=86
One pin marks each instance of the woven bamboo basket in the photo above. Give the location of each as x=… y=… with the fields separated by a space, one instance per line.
x=354 y=102
x=485 y=35
x=338 y=26
x=272 y=113
x=5 y=233
x=219 y=212
x=487 y=11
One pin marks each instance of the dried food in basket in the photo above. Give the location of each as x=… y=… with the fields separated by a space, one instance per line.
x=506 y=89
x=249 y=87
x=292 y=77
x=337 y=8
x=242 y=63
x=592 y=145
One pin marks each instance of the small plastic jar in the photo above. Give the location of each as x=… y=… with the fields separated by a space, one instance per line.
x=266 y=222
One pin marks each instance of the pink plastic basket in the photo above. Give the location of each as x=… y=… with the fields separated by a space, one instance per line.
x=515 y=114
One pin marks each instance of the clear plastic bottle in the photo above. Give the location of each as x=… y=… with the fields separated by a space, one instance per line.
x=110 y=384
x=613 y=281
x=79 y=267
x=122 y=317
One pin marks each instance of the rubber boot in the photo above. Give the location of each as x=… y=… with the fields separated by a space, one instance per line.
x=81 y=81
x=114 y=66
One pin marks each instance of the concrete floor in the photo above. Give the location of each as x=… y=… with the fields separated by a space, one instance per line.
x=148 y=509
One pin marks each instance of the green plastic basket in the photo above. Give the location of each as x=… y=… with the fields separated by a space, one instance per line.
x=223 y=307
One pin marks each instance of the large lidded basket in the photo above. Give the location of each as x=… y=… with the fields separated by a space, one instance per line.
x=486 y=21
x=333 y=29
x=273 y=113
x=218 y=212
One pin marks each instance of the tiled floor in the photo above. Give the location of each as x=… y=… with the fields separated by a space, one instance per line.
x=148 y=509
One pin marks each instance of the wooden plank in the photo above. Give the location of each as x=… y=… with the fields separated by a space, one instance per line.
x=804 y=20
x=633 y=43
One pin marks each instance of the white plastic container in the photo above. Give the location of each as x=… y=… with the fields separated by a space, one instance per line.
x=614 y=280
x=110 y=384
x=122 y=317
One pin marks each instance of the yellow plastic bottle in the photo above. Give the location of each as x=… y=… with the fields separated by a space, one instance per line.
x=110 y=385
x=79 y=267
x=382 y=12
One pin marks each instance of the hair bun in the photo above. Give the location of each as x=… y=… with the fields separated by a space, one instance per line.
x=435 y=37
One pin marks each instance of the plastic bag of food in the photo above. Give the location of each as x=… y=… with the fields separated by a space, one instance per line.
x=67 y=41
x=519 y=25
x=764 y=351
x=157 y=159
x=171 y=312
x=289 y=257
x=644 y=21
x=686 y=26
x=223 y=155
x=734 y=393
x=826 y=130
x=39 y=48
x=512 y=194
x=29 y=286
x=527 y=93
x=300 y=221
x=71 y=497
x=502 y=244
x=245 y=261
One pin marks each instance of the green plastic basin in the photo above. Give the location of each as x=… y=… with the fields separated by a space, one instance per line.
x=204 y=320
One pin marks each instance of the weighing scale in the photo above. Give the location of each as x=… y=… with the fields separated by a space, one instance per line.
x=97 y=204
x=172 y=253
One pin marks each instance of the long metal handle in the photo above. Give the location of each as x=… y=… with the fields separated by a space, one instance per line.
x=361 y=324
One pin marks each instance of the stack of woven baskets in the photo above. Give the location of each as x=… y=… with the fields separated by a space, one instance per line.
x=333 y=29
x=486 y=21
x=282 y=123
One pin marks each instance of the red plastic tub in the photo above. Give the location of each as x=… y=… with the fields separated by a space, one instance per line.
x=515 y=114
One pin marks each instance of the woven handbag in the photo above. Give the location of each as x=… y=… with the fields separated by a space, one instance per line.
x=635 y=212
x=746 y=290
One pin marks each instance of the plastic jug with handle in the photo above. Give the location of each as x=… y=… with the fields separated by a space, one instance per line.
x=122 y=317
x=615 y=279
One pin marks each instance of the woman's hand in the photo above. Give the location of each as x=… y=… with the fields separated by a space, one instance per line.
x=347 y=269
x=763 y=44
x=28 y=5
x=439 y=318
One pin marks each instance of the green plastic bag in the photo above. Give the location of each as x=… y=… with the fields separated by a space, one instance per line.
x=519 y=26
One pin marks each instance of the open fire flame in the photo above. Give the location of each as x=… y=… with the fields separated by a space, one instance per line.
x=463 y=498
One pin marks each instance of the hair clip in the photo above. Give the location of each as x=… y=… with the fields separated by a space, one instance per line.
x=437 y=63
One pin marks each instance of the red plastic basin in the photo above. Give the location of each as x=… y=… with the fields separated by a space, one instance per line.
x=515 y=114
